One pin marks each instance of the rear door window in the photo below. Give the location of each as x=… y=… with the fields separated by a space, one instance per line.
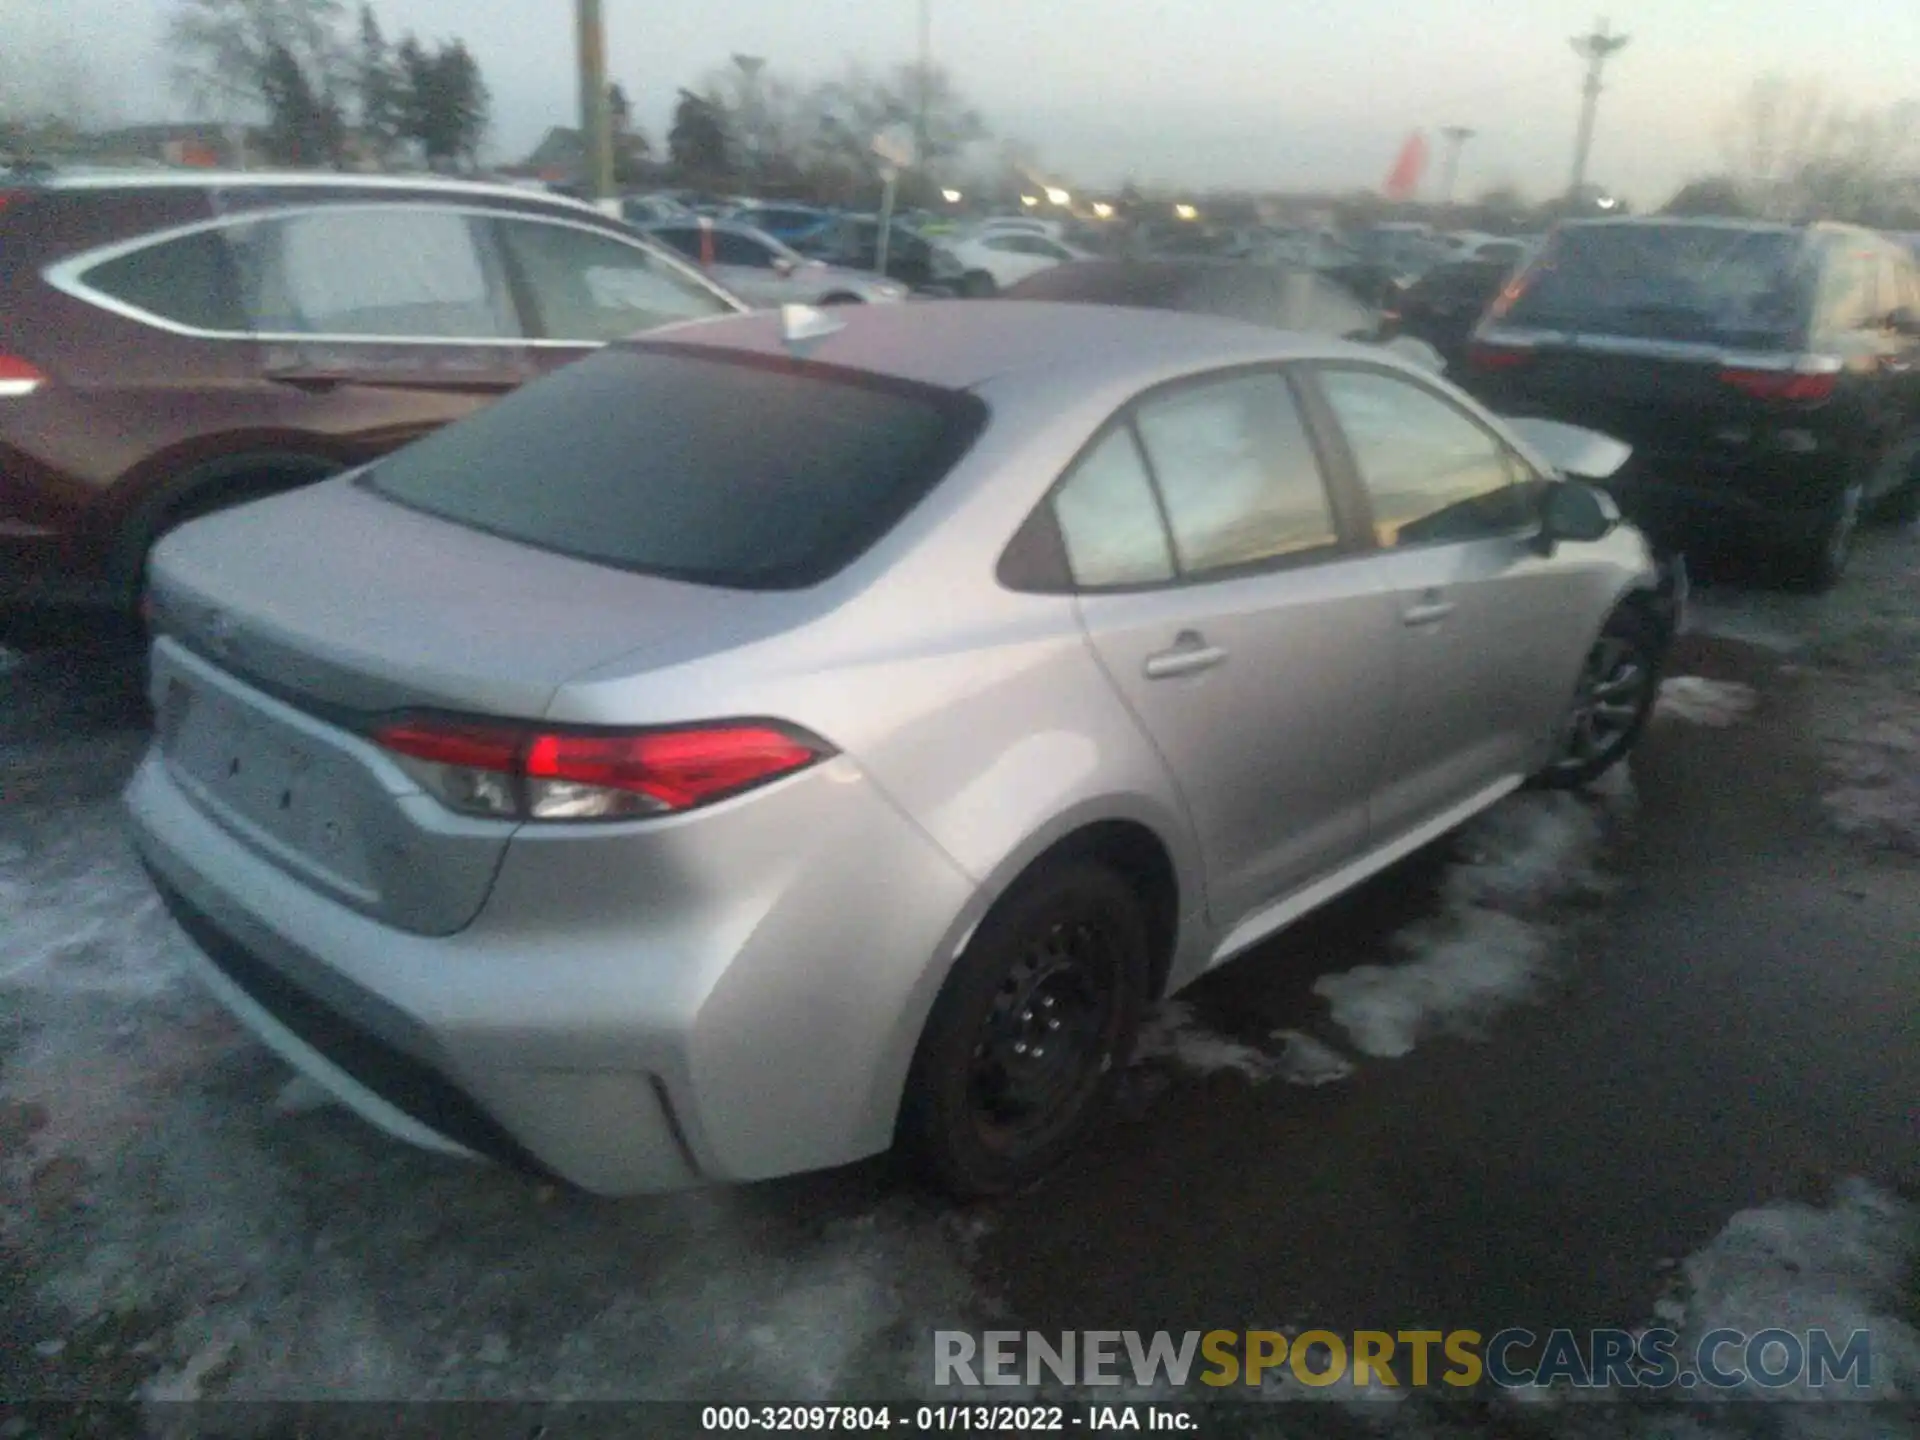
x=589 y=286
x=638 y=457
x=189 y=281
x=1684 y=282
x=732 y=248
x=1109 y=520
x=1239 y=477
x=382 y=272
x=684 y=238
x=1849 y=290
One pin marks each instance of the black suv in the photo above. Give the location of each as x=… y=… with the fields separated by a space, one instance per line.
x=1765 y=374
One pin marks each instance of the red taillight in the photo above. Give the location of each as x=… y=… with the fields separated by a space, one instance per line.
x=18 y=378
x=451 y=742
x=1486 y=355
x=1781 y=384
x=678 y=768
x=504 y=771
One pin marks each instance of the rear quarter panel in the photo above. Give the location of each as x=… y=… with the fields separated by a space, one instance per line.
x=980 y=713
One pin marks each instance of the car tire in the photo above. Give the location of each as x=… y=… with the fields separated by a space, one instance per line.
x=1061 y=964
x=1815 y=563
x=978 y=285
x=1613 y=699
x=1902 y=507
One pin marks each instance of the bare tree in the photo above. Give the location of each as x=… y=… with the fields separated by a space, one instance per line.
x=228 y=53
x=1793 y=149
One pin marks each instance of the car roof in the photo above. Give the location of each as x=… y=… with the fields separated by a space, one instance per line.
x=1691 y=222
x=292 y=179
x=961 y=344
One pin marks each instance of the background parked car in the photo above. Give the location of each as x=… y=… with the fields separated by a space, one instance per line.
x=178 y=341
x=1270 y=295
x=992 y=259
x=1054 y=620
x=1443 y=306
x=1766 y=374
x=853 y=242
x=789 y=224
x=651 y=209
x=764 y=272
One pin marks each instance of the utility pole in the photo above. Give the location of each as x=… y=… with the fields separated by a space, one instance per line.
x=1596 y=49
x=926 y=83
x=750 y=67
x=596 y=127
x=1456 y=137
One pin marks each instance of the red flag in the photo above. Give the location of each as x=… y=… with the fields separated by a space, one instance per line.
x=1404 y=179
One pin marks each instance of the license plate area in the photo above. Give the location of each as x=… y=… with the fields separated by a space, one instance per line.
x=250 y=768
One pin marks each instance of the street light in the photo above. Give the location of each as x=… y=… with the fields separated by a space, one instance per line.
x=952 y=197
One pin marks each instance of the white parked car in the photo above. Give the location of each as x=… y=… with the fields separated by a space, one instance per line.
x=1052 y=229
x=988 y=261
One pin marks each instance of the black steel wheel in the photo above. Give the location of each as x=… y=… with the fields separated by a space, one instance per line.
x=1025 y=1040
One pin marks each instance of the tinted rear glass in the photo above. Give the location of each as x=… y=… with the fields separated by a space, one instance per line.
x=190 y=281
x=1675 y=282
x=748 y=475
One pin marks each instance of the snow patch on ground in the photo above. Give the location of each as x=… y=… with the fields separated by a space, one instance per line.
x=1873 y=753
x=163 y=1182
x=1173 y=1033
x=1306 y=1061
x=1468 y=969
x=1495 y=936
x=1699 y=701
x=1841 y=1268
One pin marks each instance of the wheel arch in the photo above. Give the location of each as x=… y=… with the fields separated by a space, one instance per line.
x=1129 y=833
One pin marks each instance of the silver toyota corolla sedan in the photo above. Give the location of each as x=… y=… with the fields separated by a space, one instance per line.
x=785 y=737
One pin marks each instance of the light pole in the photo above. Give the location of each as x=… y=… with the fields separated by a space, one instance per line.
x=1456 y=137
x=596 y=132
x=926 y=82
x=750 y=67
x=1596 y=49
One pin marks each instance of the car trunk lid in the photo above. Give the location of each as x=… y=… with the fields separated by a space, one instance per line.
x=1651 y=332
x=288 y=629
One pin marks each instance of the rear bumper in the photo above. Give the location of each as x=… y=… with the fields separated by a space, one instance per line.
x=618 y=1055
x=1671 y=497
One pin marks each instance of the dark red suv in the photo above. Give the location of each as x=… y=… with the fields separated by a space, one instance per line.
x=173 y=342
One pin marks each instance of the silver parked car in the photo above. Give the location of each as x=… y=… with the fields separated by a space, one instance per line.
x=651 y=798
x=765 y=272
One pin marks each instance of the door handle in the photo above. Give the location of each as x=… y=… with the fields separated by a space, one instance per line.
x=313 y=381
x=1429 y=612
x=1189 y=656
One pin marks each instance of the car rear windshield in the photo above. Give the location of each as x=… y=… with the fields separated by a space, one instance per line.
x=746 y=472
x=1708 y=283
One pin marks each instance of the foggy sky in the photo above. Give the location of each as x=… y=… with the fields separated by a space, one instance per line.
x=1200 y=93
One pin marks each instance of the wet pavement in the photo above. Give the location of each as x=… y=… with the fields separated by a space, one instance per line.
x=1726 y=1017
